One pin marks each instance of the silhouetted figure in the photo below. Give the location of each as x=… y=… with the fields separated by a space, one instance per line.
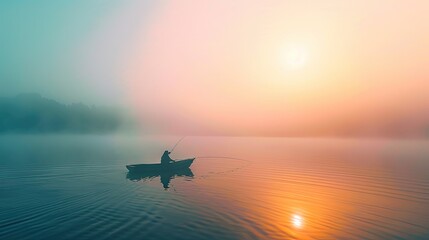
x=166 y=159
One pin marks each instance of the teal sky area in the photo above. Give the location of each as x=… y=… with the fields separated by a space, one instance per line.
x=67 y=50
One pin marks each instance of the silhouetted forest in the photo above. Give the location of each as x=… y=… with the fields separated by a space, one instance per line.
x=31 y=113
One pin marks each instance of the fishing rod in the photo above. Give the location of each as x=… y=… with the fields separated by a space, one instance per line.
x=177 y=144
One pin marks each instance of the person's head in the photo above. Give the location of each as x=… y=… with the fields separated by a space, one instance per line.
x=166 y=152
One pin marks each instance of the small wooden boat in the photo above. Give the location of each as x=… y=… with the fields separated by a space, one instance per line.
x=158 y=168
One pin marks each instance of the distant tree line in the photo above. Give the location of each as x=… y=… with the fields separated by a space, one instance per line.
x=31 y=113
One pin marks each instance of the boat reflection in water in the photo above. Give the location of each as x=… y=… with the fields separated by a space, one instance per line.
x=165 y=176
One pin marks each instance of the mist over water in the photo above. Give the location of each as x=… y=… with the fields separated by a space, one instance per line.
x=77 y=187
x=328 y=98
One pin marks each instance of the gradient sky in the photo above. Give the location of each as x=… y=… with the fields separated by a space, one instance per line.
x=68 y=50
x=224 y=67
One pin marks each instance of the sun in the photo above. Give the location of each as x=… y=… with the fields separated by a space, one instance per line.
x=294 y=57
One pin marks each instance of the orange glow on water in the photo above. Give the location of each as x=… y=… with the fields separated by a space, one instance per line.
x=299 y=189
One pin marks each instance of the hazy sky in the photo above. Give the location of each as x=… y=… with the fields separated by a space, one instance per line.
x=68 y=50
x=229 y=67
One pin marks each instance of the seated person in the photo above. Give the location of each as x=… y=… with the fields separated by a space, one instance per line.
x=165 y=159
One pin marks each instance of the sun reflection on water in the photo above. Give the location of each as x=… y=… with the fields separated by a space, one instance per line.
x=297 y=220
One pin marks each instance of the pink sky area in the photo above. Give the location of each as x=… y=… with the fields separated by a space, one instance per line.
x=225 y=67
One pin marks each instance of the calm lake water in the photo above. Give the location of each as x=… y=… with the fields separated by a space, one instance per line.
x=77 y=187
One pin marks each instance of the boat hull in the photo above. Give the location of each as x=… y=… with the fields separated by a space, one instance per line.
x=158 y=168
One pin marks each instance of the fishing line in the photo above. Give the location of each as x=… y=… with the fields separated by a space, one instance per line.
x=228 y=171
x=241 y=159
